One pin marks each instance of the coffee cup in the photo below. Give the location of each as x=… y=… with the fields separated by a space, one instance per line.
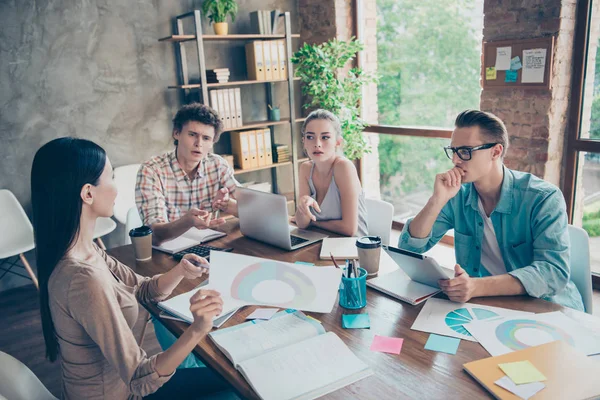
x=141 y=238
x=369 y=252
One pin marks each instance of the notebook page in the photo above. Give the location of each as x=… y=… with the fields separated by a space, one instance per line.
x=304 y=370
x=256 y=339
x=202 y=235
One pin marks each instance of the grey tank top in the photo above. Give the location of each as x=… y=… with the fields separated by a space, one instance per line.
x=331 y=208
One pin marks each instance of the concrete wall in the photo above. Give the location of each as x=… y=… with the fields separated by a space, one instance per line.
x=95 y=69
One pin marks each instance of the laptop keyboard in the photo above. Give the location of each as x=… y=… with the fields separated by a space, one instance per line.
x=200 y=250
x=297 y=240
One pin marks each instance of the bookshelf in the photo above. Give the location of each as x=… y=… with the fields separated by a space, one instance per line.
x=199 y=40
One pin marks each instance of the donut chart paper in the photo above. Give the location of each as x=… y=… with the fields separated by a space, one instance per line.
x=513 y=333
x=260 y=281
x=445 y=317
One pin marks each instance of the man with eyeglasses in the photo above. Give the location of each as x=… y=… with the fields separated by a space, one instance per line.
x=510 y=227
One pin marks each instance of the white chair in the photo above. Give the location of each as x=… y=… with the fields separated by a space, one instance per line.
x=104 y=226
x=125 y=177
x=581 y=273
x=133 y=221
x=17 y=382
x=379 y=219
x=20 y=240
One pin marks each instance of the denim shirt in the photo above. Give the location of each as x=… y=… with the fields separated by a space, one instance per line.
x=530 y=222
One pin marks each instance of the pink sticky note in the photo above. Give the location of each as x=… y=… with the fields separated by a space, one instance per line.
x=386 y=344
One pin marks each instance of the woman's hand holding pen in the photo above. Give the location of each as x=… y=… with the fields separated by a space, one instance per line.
x=205 y=305
x=192 y=266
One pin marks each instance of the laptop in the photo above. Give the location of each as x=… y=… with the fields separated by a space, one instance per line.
x=264 y=217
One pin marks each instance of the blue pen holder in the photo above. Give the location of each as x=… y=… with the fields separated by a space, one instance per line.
x=353 y=291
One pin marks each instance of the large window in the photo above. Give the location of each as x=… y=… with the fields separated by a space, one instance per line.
x=584 y=146
x=429 y=56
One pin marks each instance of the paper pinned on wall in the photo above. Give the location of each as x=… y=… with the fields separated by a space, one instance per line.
x=515 y=63
x=503 y=58
x=534 y=65
x=511 y=76
x=490 y=73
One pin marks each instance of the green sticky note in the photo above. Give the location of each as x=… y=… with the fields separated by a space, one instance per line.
x=521 y=372
x=442 y=344
x=511 y=76
x=356 y=321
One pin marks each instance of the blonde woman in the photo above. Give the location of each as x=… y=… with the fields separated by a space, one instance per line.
x=331 y=196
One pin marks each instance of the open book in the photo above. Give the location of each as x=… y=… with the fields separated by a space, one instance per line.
x=401 y=287
x=179 y=307
x=290 y=357
x=190 y=238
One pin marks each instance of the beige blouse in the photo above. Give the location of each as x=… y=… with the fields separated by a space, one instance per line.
x=94 y=308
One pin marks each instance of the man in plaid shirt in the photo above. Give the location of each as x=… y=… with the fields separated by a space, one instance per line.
x=180 y=189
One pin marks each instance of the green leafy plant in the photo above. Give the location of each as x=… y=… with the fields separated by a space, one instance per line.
x=332 y=87
x=217 y=10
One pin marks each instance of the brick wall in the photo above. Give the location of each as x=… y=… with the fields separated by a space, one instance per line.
x=536 y=119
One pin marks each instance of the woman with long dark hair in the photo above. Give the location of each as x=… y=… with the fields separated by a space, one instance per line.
x=89 y=300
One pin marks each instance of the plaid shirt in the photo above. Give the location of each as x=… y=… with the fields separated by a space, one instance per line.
x=164 y=192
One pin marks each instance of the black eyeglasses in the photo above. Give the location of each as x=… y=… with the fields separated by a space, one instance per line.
x=464 y=152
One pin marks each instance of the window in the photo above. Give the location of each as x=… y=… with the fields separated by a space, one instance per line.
x=583 y=167
x=428 y=59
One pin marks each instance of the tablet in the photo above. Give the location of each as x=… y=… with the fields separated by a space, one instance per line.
x=418 y=267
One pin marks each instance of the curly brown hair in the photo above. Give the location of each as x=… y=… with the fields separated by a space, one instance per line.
x=200 y=113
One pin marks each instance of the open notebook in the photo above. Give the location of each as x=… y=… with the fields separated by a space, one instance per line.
x=190 y=238
x=290 y=357
x=400 y=286
x=179 y=307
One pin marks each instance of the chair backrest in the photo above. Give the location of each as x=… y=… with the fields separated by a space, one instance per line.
x=379 y=219
x=581 y=273
x=125 y=177
x=17 y=382
x=14 y=219
x=133 y=221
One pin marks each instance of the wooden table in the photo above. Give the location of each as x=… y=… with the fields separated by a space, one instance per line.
x=415 y=373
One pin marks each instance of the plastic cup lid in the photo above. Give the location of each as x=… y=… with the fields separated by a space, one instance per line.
x=368 y=242
x=141 y=231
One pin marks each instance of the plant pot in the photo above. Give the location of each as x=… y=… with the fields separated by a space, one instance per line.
x=220 y=28
x=274 y=114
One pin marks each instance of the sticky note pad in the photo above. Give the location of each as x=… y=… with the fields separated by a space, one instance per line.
x=515 y=63
x=521 y=372
x=443 y=344
x=511 y=76
x=386 y=344
x=356 y=321
x=490 y=73
x=263 y=313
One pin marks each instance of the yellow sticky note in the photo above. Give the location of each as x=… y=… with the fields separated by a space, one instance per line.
x=521 y=372
x=490 y=73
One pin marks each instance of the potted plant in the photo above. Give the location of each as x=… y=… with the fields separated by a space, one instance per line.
x=217 y=11
x=321 y=68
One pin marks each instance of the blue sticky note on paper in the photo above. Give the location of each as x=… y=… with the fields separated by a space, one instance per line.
x=442 y=344
x=511 y=76
x=515 y=63
x=356 y=321
x=304 y=263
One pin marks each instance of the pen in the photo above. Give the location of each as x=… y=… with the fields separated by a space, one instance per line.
x=217 y=214
x=197 y=264
x=333 y=259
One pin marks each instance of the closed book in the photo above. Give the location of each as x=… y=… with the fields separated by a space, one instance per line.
x=252 y=148
x=232 y=110
x=260 y=148
x=282 y=56
x=256 y=22
x=268 y=61
x=275 y=21
x=255 y=61
x=569 y=373
x=274 y=58
x=238 y=106
x=268 y=147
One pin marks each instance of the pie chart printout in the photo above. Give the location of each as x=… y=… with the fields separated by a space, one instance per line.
x=457 y=318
